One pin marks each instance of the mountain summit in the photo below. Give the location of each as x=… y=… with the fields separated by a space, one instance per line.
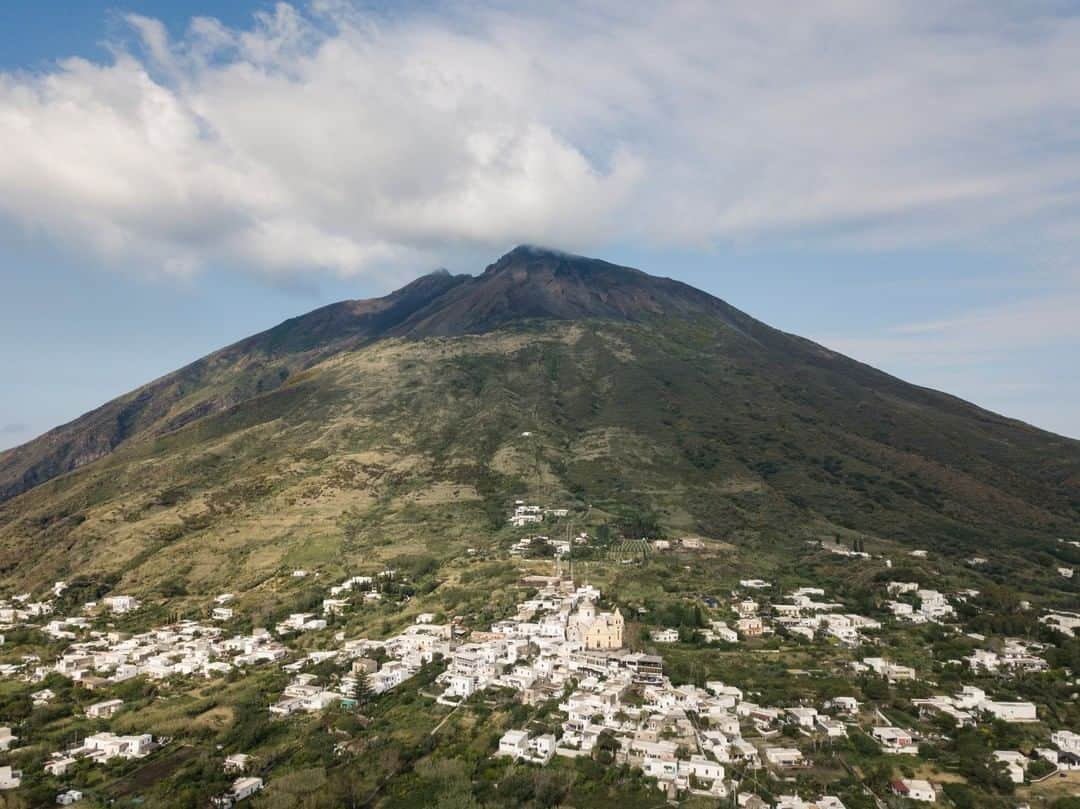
x=538 y=283
x=644 y=396
x=525 y=284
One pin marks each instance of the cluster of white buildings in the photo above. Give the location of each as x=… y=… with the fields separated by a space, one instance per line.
x=926 y=606
x=559 y=547
x=304 y=695
x=525 y=514
x=535 y=646
x=1015 y=656
x=559 y=636
x=893 y=672
x=407 y=652
x=300 y=622
x=341 y=594
x=1068 y=623
x=971 y=703
x=66 y=628
x=101 y=747
x=362 y=583
x=749 y=624
x=186 y=648
x=683 y=736
x=20 y=610
x=1065 y=754
x=802 y=614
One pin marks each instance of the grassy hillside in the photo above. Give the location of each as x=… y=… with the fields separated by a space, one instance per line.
x=415 y=445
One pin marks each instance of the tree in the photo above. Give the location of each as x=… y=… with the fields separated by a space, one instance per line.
x=962 y=796
x=863 y=744
x=605 y=748
x=456 y=793
x=363 y=692
x=879 y=776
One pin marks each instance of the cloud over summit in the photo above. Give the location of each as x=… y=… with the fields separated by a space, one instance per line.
x=326 y=138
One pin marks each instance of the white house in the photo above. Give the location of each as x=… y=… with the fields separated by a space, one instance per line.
x=915 y=789
x=901 y=587
x=242 y=789
x=1015 y=764
x=109 y=745
x=833 y=728
x=723 y=632
x=389 y=676
x=1066 y=741
x=894 y=740
x=246 y=787
x=237 y=762
x=1011 y=711
x=846 y=704
x=701 y=768
x=334 y=606
x=514 y=743
x=118 y=605
x=9 y=778
x=103 y=710
x=803 y=717
x=783 y=756
x=750 y=627
x=526 y=515
x=541 y=749
x=58 y=764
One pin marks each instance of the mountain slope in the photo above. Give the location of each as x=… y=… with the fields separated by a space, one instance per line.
x=526 y=283
x=401 y=419
x=248 y=368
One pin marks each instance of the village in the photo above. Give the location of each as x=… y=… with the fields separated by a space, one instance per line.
x=566 y=645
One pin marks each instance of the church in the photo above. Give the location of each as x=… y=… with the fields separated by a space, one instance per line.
x=596 y=630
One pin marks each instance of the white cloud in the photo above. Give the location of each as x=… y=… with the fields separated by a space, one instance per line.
x=328 y=138
x=1023 y=325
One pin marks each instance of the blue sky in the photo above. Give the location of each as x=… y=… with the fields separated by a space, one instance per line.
x=901 y=185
